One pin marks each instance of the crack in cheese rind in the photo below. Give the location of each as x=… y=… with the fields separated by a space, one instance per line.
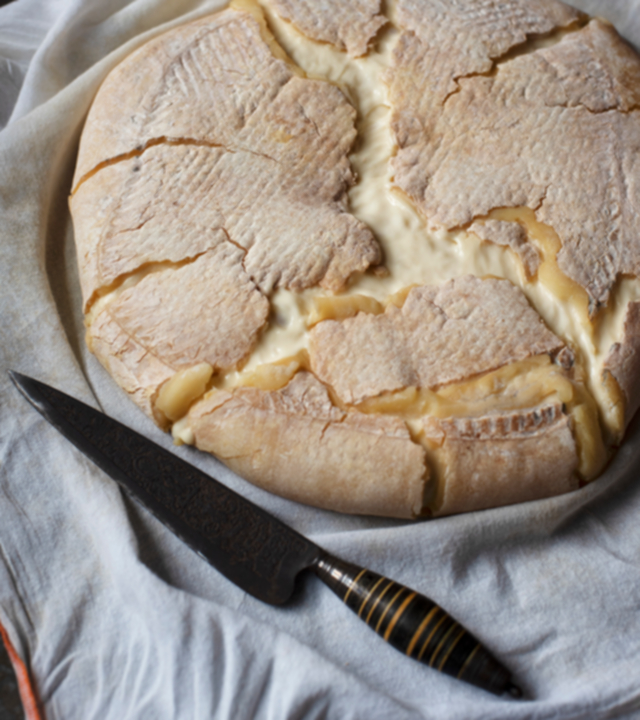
x=512 y=387
x=342 y=307
x=442 y=42
x=180 y=392
x=259 y=434
x=500 y=459
x=118 y=233
x=566 y=290
x=348 y=26
x=414 y=254
x=513 y=236
x=139 y=151
x=266 y=376
x=177 y=86
x=441 y=334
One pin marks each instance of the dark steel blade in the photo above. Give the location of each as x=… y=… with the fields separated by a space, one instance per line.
x=246 y=544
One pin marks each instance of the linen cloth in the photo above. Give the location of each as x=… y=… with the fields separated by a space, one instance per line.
x=116 y=619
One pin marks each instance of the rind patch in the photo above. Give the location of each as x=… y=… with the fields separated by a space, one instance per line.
x=295 y=443
x=554 y=130
x=440 y=335
x=348 y=26
x=503 y=459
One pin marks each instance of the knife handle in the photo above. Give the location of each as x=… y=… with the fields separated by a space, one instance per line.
x=414 y=625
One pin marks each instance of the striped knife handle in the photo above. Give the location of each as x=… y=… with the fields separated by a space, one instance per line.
x=414 y=625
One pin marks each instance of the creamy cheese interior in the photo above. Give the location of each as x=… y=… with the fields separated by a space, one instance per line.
x=414 y=254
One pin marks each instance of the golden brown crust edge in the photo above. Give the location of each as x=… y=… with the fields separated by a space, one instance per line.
x=503 y=459
x=295 y=443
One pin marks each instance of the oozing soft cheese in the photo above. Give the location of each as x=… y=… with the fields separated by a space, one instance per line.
x=415 y=254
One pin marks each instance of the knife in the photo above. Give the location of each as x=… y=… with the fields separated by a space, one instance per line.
x=256 y=551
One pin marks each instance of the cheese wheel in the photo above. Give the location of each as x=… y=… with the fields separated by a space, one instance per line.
x=380 y=262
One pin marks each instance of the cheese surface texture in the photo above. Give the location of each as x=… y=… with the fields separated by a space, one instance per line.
x=378 y=263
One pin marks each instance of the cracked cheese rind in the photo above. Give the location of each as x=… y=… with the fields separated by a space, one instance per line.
x=512 y=235
x=121 y=226
x=440 y=335
x=623 y=361
x=209 y=148
x=259 y=154
x=296 y=443
x=552 y=130
x=178 y=200
x=501 y=459
x=443 y=41
x=207 y=311
x=203 y=80
x=349 y=25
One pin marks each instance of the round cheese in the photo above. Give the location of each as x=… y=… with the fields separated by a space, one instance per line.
x=377 y=263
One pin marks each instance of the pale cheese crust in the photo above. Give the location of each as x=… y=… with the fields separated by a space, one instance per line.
x=502 y=459
x=349 y=25
x=213 y=176
x=439 y=336
x=296 y=443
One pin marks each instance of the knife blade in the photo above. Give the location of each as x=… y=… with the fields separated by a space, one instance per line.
x=256 y=551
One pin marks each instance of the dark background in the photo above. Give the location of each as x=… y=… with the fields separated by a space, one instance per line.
x=10 y=706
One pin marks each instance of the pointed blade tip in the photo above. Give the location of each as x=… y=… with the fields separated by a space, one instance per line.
x=18 y=380
x=24 y=384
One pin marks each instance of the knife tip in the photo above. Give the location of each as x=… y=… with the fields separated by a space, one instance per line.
x=17 y=379
x=24 y=384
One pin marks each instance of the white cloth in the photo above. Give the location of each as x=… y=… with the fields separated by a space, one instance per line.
x=117 y=619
